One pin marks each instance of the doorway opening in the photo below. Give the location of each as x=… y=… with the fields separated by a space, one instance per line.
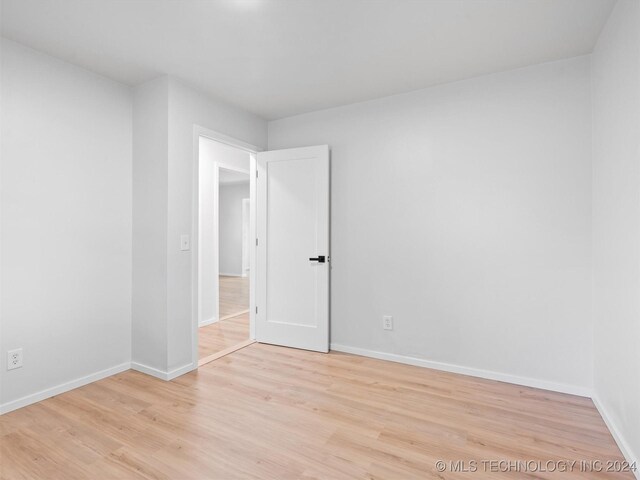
x=285 y=255
x=233 y=226
x=225 y=256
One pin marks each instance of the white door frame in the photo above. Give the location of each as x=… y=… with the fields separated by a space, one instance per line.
x=199 y=131
x=246 y=234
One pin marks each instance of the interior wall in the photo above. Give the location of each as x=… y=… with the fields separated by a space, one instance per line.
x=464 y=211
x=616 y=224
x=166 y=151
x=211 y=153
x=150 y=207
x=231 y=196
x=66 y=224
x=187 y=108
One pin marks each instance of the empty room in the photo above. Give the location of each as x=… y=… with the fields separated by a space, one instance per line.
x=319 y=239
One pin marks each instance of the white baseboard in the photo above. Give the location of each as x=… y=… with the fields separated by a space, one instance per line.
x=162 y=374
x=474 y=372
x=94 y=377
x=65 y=387
x=146 y=369
x=231 y=274
x=617 y=435
x=176 y=372
x=209 y=321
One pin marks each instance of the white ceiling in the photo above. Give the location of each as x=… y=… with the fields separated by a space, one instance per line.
x=226 y=177
x=282 y=57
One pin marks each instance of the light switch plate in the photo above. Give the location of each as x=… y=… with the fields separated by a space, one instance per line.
x=185 y=243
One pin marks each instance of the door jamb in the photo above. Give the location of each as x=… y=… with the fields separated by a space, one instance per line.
x=246 y=201
x=199 y=131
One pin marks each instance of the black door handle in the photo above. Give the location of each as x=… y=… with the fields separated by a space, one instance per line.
x=319 y=259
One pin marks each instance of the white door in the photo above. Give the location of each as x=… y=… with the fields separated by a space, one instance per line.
x=293 y=248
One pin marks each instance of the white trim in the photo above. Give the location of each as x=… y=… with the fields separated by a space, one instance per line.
x=233 y=315
x=161 y=374
x=176 y=372
x=474 y=372
x=62 y=388
x=226 y=139
x=196 y=289
x=222 y=274
x=253 y=239
x=146 y=369
x=246 y=232
x=209 y=321
x=225 y=352
x=624 y=447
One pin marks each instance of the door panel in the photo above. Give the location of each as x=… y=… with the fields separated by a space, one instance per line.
x=293 y=227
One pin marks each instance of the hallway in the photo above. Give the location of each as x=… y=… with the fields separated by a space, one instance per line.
x=234 y=296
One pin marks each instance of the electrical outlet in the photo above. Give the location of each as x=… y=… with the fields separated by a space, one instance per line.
x=387 y=322
x=14 y=359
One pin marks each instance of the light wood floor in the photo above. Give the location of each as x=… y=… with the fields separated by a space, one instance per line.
x=268 y=412
x=234 y=295
x=222 y=335
x=233 y=328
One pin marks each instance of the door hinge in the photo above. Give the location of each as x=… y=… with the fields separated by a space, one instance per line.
x=256 y=310
x=256 y=242
x=256 y=173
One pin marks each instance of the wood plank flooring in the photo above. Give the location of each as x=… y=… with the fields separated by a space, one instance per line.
x=222 y=353
x=234 y=295
x=222 y=335
x=233 y=327
x=267 y=412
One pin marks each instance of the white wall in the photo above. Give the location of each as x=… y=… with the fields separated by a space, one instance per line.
x=150 y=206
x=165 y=143
x=66 y=223
x=212 y=153
x=616 y=224
x=231 y=196
x=464 y=211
